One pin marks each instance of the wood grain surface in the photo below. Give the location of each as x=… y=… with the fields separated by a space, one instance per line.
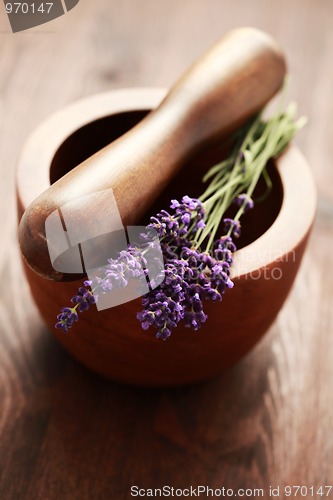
x=66 y=433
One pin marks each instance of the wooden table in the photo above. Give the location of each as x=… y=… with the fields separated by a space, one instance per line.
x=65 y=433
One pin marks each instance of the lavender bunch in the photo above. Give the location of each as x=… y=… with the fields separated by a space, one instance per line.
x=191 y=276
x=197 y=262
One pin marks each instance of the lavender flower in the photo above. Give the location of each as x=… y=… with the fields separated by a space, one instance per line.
x=66 y=319
x=245 y=201
x=232 y=226
x=83 y=300
x=191 y=276
x=117 y=274
x=180 y=226
x=163 y=307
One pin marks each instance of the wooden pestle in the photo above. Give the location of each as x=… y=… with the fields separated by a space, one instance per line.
x=231 y=82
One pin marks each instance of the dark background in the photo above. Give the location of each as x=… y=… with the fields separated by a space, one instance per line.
x=64 y=432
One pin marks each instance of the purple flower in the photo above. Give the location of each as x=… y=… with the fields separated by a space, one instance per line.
x=66 y=319
x=69 y=315
x=118 y=272
x=178 y=228
x=191 y=203
x=174 y=204
x=244 y=200
x=84 y=299
x=194 y=317
x=200 y=224
x=225 y=242
x=190 y=276
x=232 y=226
x=186 y=218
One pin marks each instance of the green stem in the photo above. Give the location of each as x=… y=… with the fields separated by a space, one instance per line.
x=240 y=173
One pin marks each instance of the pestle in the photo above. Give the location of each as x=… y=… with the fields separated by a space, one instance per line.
x=218 y=93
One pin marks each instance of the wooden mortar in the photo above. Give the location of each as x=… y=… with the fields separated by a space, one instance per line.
x=112 y=342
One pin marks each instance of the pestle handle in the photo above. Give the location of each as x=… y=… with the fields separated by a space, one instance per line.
x=218 y=93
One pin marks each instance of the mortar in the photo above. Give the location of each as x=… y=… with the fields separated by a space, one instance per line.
x=112 y=342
